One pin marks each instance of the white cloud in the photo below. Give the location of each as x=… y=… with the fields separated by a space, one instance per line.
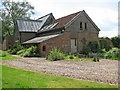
x=103 y=12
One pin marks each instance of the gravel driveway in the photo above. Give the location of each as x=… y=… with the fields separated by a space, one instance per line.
x=104 y=71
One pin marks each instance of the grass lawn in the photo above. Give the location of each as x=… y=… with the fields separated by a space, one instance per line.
x=17 y=78
x=5 y=56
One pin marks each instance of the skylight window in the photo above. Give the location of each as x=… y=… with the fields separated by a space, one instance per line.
x=49 y=26
x=54 y=25
x=44 y=27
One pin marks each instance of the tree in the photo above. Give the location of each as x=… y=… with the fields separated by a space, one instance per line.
x=12 y=11
x=116 y=41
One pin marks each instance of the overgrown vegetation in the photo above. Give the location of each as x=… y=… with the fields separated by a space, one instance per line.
x=15 y=48
x=55 y=55
x=104 y=44
x=94 y=46
x=24 y=51
x=113 y=53
x=71 y=56
x=86 y=50
x=104 y=50
x=30 y=52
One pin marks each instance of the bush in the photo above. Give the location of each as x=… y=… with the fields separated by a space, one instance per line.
x=94 y=46
x=55 y=55
x=21 y=52
x=15 y=48
x=112 y=53
x=86 y=50
x=71 y=57
x=104 y=44
x=30 y=52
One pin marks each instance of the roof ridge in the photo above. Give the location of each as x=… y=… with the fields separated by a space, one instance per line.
x=29 y=20
x=69 y=15
x=44 y=16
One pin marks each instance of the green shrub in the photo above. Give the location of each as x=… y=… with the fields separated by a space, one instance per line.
x=21 y=52
x=15 y=48
x=55 y=55
x=30 y=52
x=104 y=44
x=86 y=50
x=100 y=55
x=71 y=56
x=94 y=46
x=112 y=53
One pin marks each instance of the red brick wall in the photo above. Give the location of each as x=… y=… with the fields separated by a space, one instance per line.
x=61 y=42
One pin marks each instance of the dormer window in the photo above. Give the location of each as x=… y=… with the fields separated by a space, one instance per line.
x=80 y=25
x=85 y=25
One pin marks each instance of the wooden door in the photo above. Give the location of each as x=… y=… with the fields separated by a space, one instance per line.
x=73 y=45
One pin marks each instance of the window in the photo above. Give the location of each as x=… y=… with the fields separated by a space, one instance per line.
x=75 y=42
x=80 y=25
x=44 y=48
x=85 y=25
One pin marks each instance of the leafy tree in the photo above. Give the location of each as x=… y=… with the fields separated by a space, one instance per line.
x=12 y=11
x=116 y=41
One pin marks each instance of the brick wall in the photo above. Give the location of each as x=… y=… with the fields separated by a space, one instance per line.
x=61 y=42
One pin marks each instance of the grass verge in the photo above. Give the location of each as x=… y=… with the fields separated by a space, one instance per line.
x=5 y=56
x=17 y=78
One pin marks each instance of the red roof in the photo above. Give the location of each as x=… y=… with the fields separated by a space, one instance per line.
x=64 y=20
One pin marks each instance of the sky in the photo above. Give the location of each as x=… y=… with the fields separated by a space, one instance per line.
x=103 y=12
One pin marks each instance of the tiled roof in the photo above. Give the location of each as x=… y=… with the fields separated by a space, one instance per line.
x=63 y=21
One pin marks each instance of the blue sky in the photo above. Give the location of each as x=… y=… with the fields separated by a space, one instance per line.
x=103 y=12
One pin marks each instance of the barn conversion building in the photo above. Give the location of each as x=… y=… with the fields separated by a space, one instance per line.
x=69 y=33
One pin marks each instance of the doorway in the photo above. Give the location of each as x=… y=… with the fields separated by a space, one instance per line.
x=73 y=45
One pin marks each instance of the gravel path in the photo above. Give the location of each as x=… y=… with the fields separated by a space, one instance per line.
x=105 y=71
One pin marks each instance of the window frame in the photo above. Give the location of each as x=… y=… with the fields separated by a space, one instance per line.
x=85 y=25
x=81 y=25
x=43 y=48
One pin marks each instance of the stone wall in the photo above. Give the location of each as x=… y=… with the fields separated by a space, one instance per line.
x=89 y=34
x=86 y=37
